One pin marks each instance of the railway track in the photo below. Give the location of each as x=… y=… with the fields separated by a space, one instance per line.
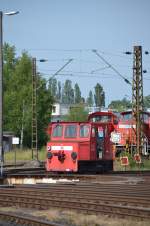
x=112 y=200
x=19 y=219
x=40 y=171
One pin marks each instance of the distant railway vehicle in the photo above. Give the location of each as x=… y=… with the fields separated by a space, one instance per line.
x=80 y=147
x=126 y=133
x=123 y=130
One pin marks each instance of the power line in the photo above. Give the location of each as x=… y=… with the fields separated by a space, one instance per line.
x=85 y=76
x=117 y=53
x=114 y=69
x=56 y=73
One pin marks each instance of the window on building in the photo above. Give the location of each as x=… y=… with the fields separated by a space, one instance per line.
x=54 y=109
x=71 y=131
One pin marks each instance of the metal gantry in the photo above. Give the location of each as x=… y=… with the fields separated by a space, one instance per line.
x=34 y=111
x=137 y=98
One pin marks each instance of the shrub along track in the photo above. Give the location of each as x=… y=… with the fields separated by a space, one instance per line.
x=121 y=200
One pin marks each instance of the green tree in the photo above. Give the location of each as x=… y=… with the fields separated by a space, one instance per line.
x=120 y=105
x=18 y=97
x=68 y=93
x=77 y=94
x=99 y=96
x=59 y=91
x=9 y=64
x=53 y=88
x=14 y=95
x=77 y=113
x=90 y=100
x=147 y=101
x=44 y=108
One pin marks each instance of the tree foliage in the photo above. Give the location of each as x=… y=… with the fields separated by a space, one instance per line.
x=77 y=94
x=99 y=96
x=90 y=100
x=77 y=113
x=68 y=93
x=120 y=105
x=53 y=88
x=18 y=97
x=147 y=101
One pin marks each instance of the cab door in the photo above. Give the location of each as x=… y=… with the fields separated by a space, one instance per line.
x=100 y=141
x=93 y=143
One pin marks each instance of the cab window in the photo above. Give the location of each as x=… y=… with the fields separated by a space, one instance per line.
x=102 y=118
x=57 y=131
x=127 y=116
x=84 y=131
x=71 y=131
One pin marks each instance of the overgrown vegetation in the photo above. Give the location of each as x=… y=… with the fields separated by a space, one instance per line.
x=72 y=218
x=133 y=165
x=23 y=155
x=18 y=97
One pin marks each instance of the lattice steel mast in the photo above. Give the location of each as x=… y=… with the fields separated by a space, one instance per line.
x=34 y=112
x=137 y=98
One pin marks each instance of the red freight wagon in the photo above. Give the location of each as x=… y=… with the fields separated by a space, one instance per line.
x=79 y=147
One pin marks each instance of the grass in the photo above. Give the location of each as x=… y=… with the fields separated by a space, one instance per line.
x=145 y=165
x=26 y=155
x=23 y=155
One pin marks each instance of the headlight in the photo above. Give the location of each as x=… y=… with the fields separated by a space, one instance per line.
x=48 y=148
x=74 y=155
x=49 y=155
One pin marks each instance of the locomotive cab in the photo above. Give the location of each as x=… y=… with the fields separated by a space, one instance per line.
x=79 y=147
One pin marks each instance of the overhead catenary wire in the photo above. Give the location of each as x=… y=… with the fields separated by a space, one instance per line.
x=115 y=54
x=97 y=75
x=56 y=73
x=112 y=67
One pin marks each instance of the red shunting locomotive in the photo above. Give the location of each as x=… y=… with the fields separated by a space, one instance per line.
x=126 y=127
x=80 y=147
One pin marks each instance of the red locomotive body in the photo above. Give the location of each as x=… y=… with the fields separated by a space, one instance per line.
x=126 y=127
x=103 y=117
x=79 y=147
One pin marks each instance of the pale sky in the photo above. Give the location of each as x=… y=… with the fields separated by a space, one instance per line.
x=62 y=29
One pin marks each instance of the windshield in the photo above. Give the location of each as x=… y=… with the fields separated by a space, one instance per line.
x=101 y=118
x=57 y=131
x=71 y=131
x=127 y=116
x=84 y=131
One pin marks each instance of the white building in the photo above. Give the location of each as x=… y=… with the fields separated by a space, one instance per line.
x=59 y=111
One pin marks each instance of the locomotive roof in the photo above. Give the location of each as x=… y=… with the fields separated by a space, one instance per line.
x=70 y=122
x=129 y=112
x=102 y=113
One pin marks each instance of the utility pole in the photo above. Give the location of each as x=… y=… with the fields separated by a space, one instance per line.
x=1 y=86
x=22 y=127
x=34 y=112
x=137 y=98
x=1 y=93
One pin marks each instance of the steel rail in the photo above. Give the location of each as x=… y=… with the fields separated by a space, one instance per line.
x=25 y=220
x=98 y=199
x=138 y=213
